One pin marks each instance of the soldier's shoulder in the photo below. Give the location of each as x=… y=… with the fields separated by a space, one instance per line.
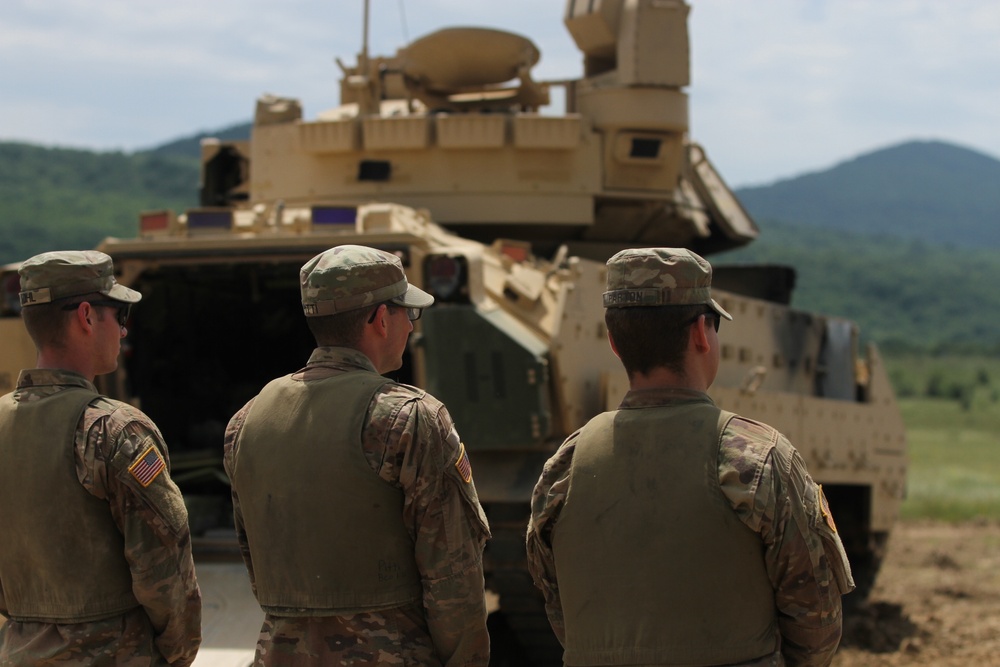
x=752 y=432
x=116 y=418
x=746 y=440
x=747 y=443
x=119 y=411
x=395 y=393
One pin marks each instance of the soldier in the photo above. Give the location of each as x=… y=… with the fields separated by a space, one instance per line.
x=100 y=571
x=353 y=496
x=670 y=532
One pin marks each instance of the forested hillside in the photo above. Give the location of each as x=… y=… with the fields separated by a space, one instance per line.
x=902 y=240
x=71 y=199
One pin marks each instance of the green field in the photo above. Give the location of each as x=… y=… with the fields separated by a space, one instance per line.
x=951 y=407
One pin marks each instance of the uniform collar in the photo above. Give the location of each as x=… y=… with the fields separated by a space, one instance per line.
x=645 y=398
x=52 y=377
x=341 y=358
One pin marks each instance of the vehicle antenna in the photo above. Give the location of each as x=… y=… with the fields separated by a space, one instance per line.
x=364 y=42
x=402 y=18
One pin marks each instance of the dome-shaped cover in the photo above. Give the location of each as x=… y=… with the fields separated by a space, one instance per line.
x=457 y=58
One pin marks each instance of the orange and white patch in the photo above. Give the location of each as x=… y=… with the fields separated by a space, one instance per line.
x=824 y=507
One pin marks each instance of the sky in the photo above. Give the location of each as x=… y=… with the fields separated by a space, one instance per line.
x=779 y=87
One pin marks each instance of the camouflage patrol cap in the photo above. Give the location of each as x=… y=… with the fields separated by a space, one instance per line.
x=349 y=277
x=65 y=273
x=660 y=277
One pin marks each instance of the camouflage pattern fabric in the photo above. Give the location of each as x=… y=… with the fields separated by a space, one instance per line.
x=659 y=277
x=349 y=277
x=766 y=483
x=66 y=273
x=166 y=629
x=410 y=442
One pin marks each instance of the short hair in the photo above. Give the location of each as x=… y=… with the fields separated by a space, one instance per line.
x=343 y=329
x=652 y=337
x=340 y=329
x=46 y=322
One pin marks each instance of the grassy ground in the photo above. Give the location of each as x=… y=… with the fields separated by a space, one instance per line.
x=954 y=457
x=951 y=407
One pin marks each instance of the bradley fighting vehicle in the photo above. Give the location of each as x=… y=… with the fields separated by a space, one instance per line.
x=441 y=154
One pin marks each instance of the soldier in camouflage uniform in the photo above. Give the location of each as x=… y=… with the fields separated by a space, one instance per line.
x=95 y=558
x=670 y=532
x=353 y=496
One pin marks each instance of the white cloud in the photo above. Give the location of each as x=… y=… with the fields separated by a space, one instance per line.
x=781 y=86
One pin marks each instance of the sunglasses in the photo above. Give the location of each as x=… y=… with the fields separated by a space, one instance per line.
x=412 y=314
x=123 y=308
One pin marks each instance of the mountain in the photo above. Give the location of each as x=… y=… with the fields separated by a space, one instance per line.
x=928 y=190
x=902 y=240
x=71 y=199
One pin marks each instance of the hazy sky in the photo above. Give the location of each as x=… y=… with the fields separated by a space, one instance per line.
x=779 y=87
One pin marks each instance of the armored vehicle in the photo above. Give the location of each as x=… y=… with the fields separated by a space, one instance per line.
x=445 y=153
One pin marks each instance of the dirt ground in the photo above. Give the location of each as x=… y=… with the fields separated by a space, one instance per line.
x=936 y=600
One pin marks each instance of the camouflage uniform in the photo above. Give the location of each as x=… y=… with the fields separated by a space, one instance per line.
x=166 y=629
x=409 y=442
x=762 y=477
x=120 y=459
x=769 y=489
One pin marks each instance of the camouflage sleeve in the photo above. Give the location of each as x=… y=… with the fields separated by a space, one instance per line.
x=229 y=448
x=774 y=495
x=424 y=456
x=122 y=458
x=546 y=502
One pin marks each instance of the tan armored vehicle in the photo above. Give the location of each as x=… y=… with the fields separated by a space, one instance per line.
x=442 y=154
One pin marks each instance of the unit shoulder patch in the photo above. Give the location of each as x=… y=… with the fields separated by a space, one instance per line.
x=825 y=508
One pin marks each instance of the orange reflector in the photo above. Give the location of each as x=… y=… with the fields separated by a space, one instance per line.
x=518 y=251
x=154 y=221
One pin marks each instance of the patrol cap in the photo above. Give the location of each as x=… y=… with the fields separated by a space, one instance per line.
x=349 y=277
x=660 y=277
x=66 y=273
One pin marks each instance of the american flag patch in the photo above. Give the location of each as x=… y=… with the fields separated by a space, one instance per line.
x=463 y=466
x=149 y=465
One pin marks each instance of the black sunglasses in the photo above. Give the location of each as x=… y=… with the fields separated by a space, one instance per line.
x=412 y=314
x=123 y=308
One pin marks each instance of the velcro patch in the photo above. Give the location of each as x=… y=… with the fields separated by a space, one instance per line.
x=463 y=465
x=148 y=467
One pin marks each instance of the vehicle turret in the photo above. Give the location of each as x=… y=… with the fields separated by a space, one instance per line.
x=454 y=123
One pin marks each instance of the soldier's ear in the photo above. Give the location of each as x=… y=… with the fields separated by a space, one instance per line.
x=698 y=336
x=380 y=320
x=83 y=316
